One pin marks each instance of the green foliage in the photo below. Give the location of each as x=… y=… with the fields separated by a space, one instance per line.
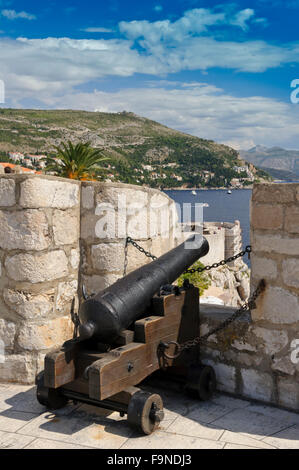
x=78 y=162
x=200 y=280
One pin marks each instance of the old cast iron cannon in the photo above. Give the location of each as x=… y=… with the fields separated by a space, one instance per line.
x=108 y=313
x=119 y=345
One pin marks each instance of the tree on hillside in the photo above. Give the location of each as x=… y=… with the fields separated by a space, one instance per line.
x=79 y=162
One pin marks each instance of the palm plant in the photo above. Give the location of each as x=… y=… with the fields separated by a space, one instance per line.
x=79 y=162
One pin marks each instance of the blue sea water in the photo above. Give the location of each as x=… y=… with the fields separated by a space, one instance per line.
x=223 y=207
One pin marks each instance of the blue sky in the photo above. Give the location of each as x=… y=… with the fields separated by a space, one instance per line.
x=219 y=70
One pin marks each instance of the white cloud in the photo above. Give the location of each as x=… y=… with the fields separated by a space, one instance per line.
x=97 y=30
x=13 y=15
x=158 y=8
x=201 y=109
x=242 y=17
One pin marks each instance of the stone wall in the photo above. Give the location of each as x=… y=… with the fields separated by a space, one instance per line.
x=110 y=212
x=256 y=356
x=44 y=224
x=39 y=257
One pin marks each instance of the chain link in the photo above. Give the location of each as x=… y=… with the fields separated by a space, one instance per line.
x=247 y=250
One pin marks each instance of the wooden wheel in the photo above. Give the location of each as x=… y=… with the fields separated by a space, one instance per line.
x=145 y=411
x=49 y=397
x=202 y=385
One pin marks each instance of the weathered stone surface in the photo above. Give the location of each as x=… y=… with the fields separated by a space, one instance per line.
x=266 y=216
x=225 y=375
x=18 y=367
x=87 y=197
x=136 y=259
x=108 y=256
x=7 y=333
x=75 y=259
x=263 y=267
x=290 y=272
x=292 y=219
x=65 y=227
x=257 y=385
x=24 y=230
x=288 y=392
x=277 y=306
x=138 y=225
x=65 y=293
x=275 y=244
x=97 y=283
x=121 y=196
x=43 y=192
x=284 y=365
x=273 y=340
x=7 y=192
x=29 y=305
x=34 y=337
x=243 y=345
x=273 y=193
x=37 y=268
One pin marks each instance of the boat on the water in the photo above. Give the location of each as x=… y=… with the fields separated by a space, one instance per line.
x=194 y=193
x=229 y=191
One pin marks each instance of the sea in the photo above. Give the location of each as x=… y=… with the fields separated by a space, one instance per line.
x=222 y=207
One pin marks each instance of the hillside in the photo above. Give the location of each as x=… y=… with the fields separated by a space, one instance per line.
x=172 y=158
x=279 y=162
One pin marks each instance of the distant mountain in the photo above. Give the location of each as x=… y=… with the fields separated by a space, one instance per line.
x=279 y=162
x=131 y=142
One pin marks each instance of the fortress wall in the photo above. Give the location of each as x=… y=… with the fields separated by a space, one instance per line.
x=39 y=257
x=109 y=213
x=258 y=357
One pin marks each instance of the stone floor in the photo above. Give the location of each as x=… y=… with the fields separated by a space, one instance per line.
x=223 y=422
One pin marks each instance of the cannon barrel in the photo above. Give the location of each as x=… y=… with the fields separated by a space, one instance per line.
x=114 y=309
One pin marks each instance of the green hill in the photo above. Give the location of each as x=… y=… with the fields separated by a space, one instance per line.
x=132 y=142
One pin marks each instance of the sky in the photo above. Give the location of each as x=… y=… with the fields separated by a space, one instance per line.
x=217 y=70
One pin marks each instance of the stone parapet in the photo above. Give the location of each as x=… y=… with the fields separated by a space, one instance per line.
x=39 y=255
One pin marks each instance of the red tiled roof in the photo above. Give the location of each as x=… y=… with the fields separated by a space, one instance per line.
x=11 y=165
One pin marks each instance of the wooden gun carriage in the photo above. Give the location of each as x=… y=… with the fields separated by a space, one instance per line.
x=123 y=334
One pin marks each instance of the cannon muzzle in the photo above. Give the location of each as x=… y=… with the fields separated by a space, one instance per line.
x=114 y=309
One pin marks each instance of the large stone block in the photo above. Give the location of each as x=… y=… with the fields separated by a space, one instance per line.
x=37 y=268
x=263 y=268
x=257 y=385
x=291 y=223
x=278 y=306
x=19 y=368
x=96 y=283
x=138 y=225
x=290 y=272
x=7 y=192
x=288 y=392
x=34 y=337
x=24 y=230
x=65 y=227
x=273 y=193
x=87 y=197
x=43 y=192
x=29 y=305
x=7 y=333
x=275 y=244
x=122 y=196
x=225 y=376
x=284 y=365
x=266 y=216
x=108 y=257
x=135 y=258
x=65 y=293
x=273 y=340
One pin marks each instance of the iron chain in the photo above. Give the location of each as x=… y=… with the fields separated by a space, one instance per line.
x=247 y=306
x=193 y=270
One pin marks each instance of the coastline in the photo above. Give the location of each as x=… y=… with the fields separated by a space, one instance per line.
x=206 y=189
